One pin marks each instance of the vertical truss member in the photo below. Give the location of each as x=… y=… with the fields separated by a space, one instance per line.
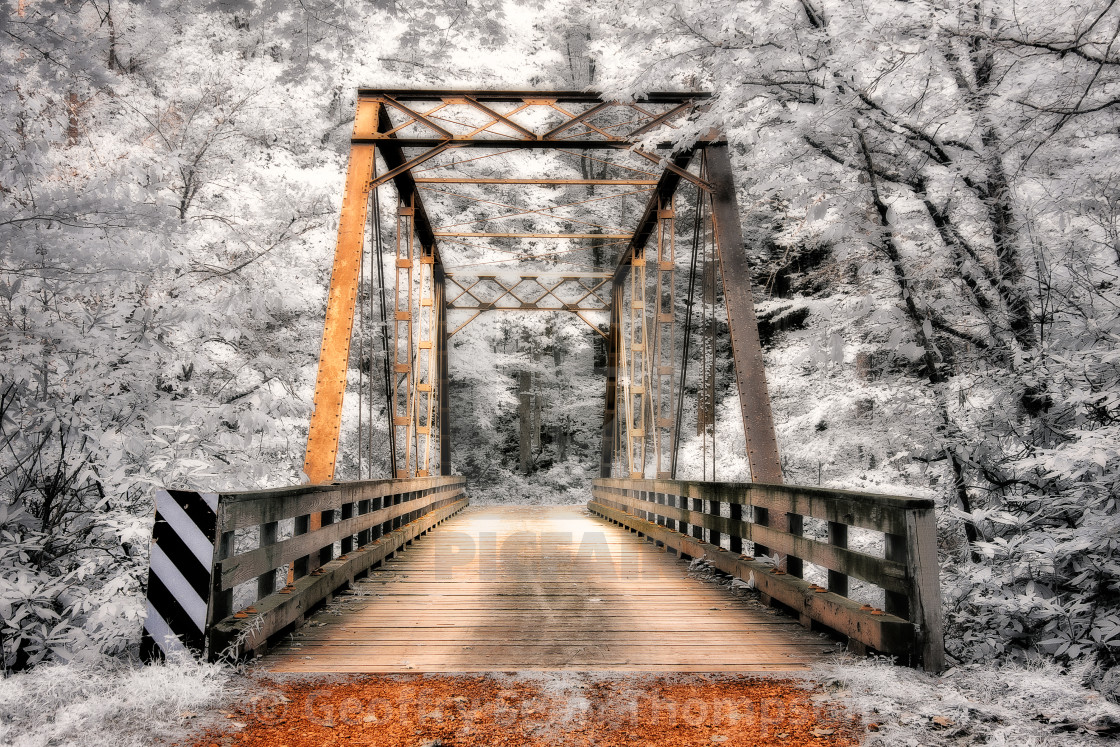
x=635 y=364
x=426 y=359
x=403 y=401
x=330 y=384
x=662 y=316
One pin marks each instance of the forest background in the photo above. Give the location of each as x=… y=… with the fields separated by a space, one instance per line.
x=930 y=192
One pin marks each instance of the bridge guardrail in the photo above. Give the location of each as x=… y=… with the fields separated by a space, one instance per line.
x=368 y=521
x=686 y=516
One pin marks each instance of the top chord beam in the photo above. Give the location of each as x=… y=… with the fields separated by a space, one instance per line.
x=588 y=97
x=546 y=182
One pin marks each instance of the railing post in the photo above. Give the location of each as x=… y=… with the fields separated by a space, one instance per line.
x=364 y=535
x=326 y=554
x=221 y=602
x=698 y=507
x=795 y=525
x=838 y=537
x=347 y=541
x=736 y=513
x=682 y=504
x=925 y=587
x=266 y=582
x=385 y=502
x=376 y=504
x=760 y=517
x=300 y=566
x=714 y=510
x=894 y=602
x=783 y=522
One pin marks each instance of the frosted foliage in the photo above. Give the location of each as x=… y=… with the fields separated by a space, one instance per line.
x=974 y=704
x=169 y=185
x=929 y=195
x=929 y=189
x=114 y=705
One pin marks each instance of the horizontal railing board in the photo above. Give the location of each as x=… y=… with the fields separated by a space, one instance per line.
x=887 y=574
x=883 y=513
x=242 y=510
x=248 y=565
x=368 y=490
x=238 y=637
x=249 y=508
x=883 y=632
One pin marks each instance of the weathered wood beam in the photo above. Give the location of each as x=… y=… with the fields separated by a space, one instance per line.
x=886 y=573
x=238 y=638
x=883 y=632
x=874 y=511
x=908 y=572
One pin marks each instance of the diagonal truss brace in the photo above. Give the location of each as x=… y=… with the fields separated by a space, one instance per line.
x=579 y=293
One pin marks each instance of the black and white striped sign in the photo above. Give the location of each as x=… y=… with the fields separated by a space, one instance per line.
x=182 y=560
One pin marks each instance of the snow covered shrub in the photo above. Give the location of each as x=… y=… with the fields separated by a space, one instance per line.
x=973 y=173
x=110 y=703
x=1049 y=576
x=69 y=574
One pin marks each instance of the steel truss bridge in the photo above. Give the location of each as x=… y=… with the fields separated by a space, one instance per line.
x=426 y=244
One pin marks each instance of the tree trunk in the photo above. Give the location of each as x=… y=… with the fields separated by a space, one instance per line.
x=524 y=414
x=931 y=354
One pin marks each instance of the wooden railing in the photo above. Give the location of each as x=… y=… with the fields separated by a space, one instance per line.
x=364 y=522
x=686 y=516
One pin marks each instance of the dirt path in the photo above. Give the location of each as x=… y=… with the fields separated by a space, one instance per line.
x=602 y=709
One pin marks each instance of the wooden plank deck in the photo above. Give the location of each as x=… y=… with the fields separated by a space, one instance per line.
x=508 y=588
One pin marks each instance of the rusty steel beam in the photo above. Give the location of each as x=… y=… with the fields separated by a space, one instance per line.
x=681 y=172
x=498 y=117
x=576 y=292
x=404 y=314
x=662 y=317
x=508 y=144
x=334 y=356
x=610 y=406
x=481 y=136
x=750 y=373
x=444 y=379
x=455 y=234
x=416 y=117
x=391 y=152
x=664 y=191
x=585 y=97
x=661 y=119
x=576 y=119
x=408 y=166
x=375 y=133
x=583 y=182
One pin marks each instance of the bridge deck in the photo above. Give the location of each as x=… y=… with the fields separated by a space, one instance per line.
x=541 y=587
